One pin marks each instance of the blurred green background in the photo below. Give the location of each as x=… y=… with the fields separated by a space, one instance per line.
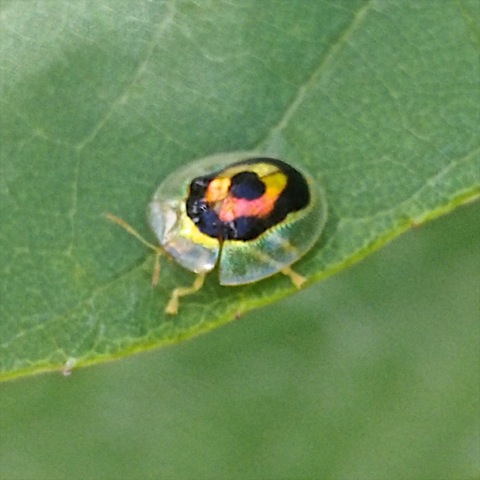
x=372 y=374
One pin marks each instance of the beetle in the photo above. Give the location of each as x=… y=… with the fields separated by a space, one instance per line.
x=248 y=214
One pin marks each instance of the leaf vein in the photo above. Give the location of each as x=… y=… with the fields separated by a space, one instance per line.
x=324 y=62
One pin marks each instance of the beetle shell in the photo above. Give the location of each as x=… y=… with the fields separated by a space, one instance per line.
x=249 y=214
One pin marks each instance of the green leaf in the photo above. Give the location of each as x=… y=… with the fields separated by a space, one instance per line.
x=101 y=100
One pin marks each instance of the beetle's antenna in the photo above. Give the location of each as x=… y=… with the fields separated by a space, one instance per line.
x=131 y=231
x=158 y=251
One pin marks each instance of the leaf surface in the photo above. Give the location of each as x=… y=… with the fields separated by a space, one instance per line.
x=101 y=100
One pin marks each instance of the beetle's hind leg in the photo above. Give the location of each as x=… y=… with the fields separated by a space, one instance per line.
x=173 y=303
x=297 y=279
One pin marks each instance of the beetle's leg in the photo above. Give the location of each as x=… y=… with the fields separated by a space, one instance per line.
x=173 y=303
x=158 y=251
x=156 y=268
x=297 y=279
